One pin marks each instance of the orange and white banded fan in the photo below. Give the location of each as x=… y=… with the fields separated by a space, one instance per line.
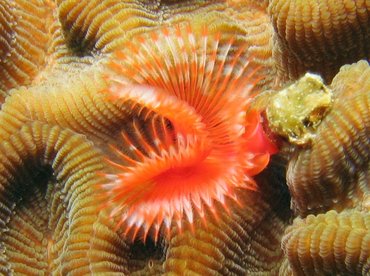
x=198 y=143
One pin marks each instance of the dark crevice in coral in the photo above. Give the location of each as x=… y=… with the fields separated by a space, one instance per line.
x=150 y=249
x=272 y=181
x=144 y=256
x=7 y=30
x=184 y=3
x=27 y=222
x=80 y=47
x=75 y=39
x=22 y=189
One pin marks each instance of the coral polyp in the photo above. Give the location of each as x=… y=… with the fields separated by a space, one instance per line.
x=199 y=142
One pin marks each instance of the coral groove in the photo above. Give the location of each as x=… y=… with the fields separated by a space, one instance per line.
x=319 y=36
x=51 y=231
x=73 y=101
x=329 y=243
x=23 y=42
x=86 y=30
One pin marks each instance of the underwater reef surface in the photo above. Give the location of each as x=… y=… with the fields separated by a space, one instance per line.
x=151 y=137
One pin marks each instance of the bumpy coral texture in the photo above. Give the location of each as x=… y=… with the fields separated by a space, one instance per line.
x=43 y=212
x=258 y=34
x=329 y=243
x=319 y=36
x=88 y=29
x=55 y=132
x=23 y=42
x=334 y=172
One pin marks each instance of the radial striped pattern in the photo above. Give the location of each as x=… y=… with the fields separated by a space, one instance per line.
x=201 y=83
x=23 y=42
x=329 y=243
x=319 y=36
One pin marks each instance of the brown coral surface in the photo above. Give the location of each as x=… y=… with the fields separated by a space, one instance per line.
x=334 y=171
x=319 y=36
x=23 y=42
x=329 y=243
x=46 y=202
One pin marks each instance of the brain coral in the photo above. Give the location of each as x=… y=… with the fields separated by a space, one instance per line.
x=84 y=30
x=23 y=42
x=56 y=124
x=334 y=171
x=329 y=243
x=319 y=36
x=46 y=176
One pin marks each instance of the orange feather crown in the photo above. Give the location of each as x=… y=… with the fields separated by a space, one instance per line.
x=198 y=144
